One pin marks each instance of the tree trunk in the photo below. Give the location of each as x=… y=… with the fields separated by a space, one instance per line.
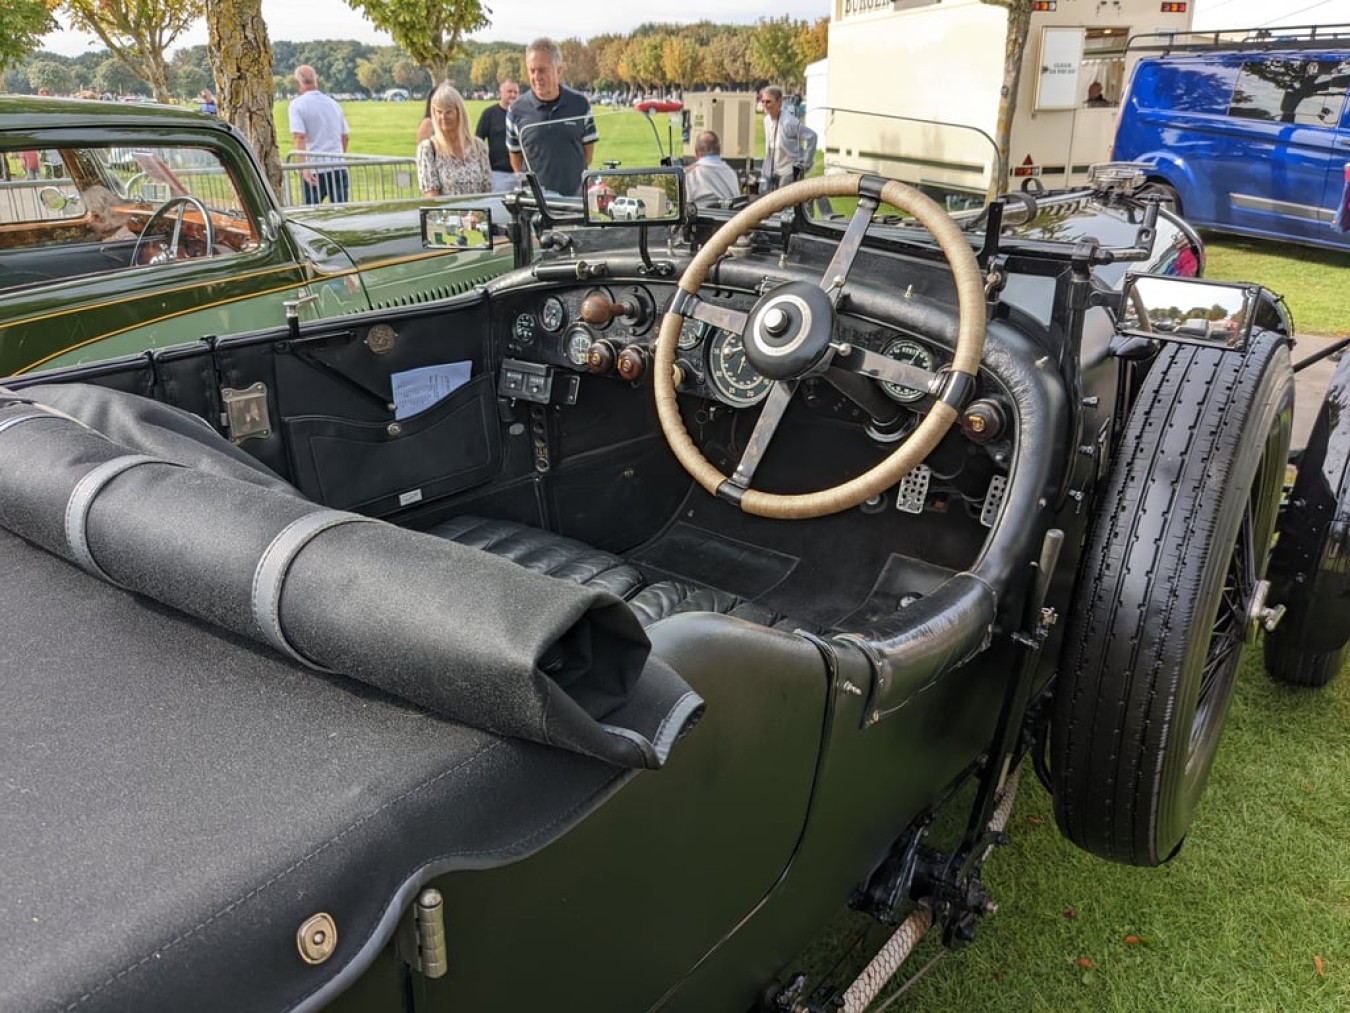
x=241 y=62
x=1019 y=24
x=157 y=77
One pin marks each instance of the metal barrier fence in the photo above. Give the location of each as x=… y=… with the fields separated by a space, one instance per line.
x=367 y=177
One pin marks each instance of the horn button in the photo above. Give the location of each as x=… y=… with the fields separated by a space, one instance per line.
x=789 y=330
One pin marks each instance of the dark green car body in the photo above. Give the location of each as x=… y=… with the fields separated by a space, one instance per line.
x=66 y=299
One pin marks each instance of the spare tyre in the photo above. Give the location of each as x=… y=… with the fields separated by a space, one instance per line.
x=1168 y=582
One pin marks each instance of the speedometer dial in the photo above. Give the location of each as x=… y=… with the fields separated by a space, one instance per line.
x=738 y=382
x=913 y=354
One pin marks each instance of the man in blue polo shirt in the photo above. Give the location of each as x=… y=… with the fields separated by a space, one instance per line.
x=549 y=129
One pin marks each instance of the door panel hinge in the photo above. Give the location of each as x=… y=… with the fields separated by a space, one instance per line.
x=421 y=942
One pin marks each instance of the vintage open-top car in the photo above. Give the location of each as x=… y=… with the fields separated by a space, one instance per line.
x=130 y=227
x=589 y=639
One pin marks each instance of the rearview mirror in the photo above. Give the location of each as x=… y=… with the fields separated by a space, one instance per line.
x=457 y=228
x=1188 y=310
x=634 y=196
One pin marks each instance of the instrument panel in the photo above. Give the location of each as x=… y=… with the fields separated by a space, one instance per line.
x=610 y=330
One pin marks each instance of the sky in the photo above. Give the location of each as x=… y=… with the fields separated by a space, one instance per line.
x=523 y=20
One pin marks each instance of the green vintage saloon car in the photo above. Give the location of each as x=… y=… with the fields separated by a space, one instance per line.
x=124 y=228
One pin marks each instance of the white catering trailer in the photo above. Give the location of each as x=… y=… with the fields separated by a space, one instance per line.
x=914 y=87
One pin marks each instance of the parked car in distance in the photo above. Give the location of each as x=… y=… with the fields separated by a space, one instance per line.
x=151 y=225
x=627 y=208
x=1245 y=132
x=394 y=95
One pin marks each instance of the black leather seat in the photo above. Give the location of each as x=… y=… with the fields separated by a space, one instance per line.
x=566 y=558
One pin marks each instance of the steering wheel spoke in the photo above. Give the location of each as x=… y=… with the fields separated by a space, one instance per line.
x=170 y=253
x=775 y=405
x=836 y=273
x=884 y=368
x=723 y=317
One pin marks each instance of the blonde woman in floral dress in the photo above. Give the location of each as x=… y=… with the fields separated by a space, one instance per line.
x=452 y=160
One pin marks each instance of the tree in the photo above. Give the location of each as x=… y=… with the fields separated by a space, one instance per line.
x=608 y=51
x=432 y=31
x=241 y=60
x=1019 y=25
x=813 y=41
x=55 y=77
x=511 y=64
x=113 y=77
x=483 y=70
x=409 y=75
x=371 y=76
x=682 y=61
x=190 y=71
x=774 y=53
x=579 y=61
x=137 y=32
x=729 y=57
x=25 y=21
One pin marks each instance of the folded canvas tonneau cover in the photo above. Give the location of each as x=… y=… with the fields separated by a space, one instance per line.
x=177 y=796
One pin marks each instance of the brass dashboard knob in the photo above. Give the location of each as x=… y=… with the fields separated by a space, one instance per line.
x=600 y=358
x=632 y=363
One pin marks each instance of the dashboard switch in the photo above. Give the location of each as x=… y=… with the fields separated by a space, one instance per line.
x=632 y=363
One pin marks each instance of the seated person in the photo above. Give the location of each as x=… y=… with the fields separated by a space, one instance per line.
x=105 y=218
x=710 y=179
x=1095 y=96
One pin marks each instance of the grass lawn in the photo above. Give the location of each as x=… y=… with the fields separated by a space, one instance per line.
x=1316 y=283
x=1254 y=914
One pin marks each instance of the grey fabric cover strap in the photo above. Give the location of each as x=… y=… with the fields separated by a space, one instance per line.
x=270 y=576
x=13 y=420
x=82 y=498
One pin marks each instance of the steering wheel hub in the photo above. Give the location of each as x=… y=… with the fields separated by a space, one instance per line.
x=788 y=332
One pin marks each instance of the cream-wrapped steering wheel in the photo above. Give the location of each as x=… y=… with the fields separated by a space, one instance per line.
x=790 y=334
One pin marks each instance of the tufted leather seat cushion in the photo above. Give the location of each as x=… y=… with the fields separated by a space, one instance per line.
x=556 y=556
x=544 y=552
x=670 y=597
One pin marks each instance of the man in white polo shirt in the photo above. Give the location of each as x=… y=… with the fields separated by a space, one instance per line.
x=319 y=129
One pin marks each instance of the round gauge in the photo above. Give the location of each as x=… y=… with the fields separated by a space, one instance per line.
x=732 y=376
x=523 y=328
x=577 y=344
x=691 y=333
x=912 y=354
x=553 y=315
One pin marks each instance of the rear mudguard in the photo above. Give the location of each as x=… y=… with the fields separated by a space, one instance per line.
x=1310 y=568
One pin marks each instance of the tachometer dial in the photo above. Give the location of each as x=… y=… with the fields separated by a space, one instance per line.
x=552 y=315
x=523 y=328
x=913 y=354
x=738 y=382
x=577 y=344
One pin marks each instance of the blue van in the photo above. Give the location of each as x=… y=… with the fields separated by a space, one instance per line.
x=1247 y=132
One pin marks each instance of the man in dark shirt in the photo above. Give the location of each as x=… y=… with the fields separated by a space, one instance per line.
x=492 y=129
x=549 y=129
